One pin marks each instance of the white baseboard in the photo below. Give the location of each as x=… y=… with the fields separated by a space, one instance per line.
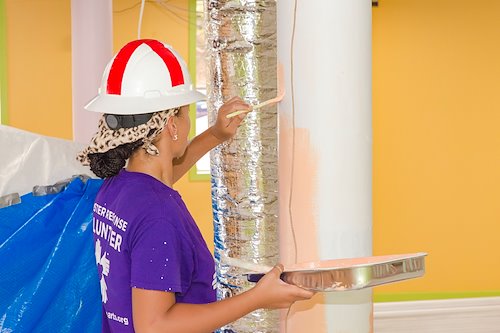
x=467 y=315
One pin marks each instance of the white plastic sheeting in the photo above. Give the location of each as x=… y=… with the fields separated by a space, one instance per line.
x=28 y=159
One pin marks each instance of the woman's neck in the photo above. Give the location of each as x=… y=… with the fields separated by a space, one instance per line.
x=159 y=167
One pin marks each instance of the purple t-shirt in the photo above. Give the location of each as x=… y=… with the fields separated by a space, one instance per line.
x=145 y=238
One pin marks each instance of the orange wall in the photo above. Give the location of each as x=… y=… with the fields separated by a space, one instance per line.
x=435 y=120
x=436 y=102
x=39 y=66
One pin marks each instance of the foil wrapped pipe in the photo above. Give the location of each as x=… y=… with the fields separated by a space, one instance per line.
x=241 y=61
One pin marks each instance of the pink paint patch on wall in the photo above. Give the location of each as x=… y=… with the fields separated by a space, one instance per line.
x=298 y=241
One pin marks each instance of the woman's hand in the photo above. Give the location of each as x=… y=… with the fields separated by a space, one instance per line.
x=225 y=128
x=272 y=293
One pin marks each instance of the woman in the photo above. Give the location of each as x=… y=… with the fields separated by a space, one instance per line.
x=155 y=269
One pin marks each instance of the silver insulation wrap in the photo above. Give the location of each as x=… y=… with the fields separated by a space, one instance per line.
x=241 y=61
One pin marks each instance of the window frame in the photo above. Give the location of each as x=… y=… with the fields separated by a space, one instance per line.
x=194 y=175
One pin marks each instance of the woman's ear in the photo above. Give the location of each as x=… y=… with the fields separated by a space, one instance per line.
x=172 y=128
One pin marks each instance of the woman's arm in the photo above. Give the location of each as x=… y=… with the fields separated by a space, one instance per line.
x=156 y=311
x=223 y=130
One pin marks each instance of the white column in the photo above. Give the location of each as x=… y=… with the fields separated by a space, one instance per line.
x=326 y=133
x=91 y=49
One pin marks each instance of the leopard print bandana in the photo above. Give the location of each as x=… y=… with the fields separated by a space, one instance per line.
x=106 y=138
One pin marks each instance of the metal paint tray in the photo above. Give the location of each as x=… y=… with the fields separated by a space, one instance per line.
x=352 y=274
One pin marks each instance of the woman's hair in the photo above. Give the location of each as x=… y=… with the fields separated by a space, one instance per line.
x=110 y=163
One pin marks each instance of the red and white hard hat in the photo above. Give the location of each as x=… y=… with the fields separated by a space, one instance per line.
x=145 y=76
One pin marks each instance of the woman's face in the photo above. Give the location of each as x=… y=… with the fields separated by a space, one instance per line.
x=183 y=125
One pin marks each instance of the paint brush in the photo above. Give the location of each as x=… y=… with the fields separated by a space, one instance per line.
x=278 y=98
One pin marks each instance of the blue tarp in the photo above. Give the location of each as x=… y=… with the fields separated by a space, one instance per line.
x=48 y=274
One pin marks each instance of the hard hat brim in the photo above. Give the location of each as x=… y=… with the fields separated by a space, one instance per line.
x=123 y=105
